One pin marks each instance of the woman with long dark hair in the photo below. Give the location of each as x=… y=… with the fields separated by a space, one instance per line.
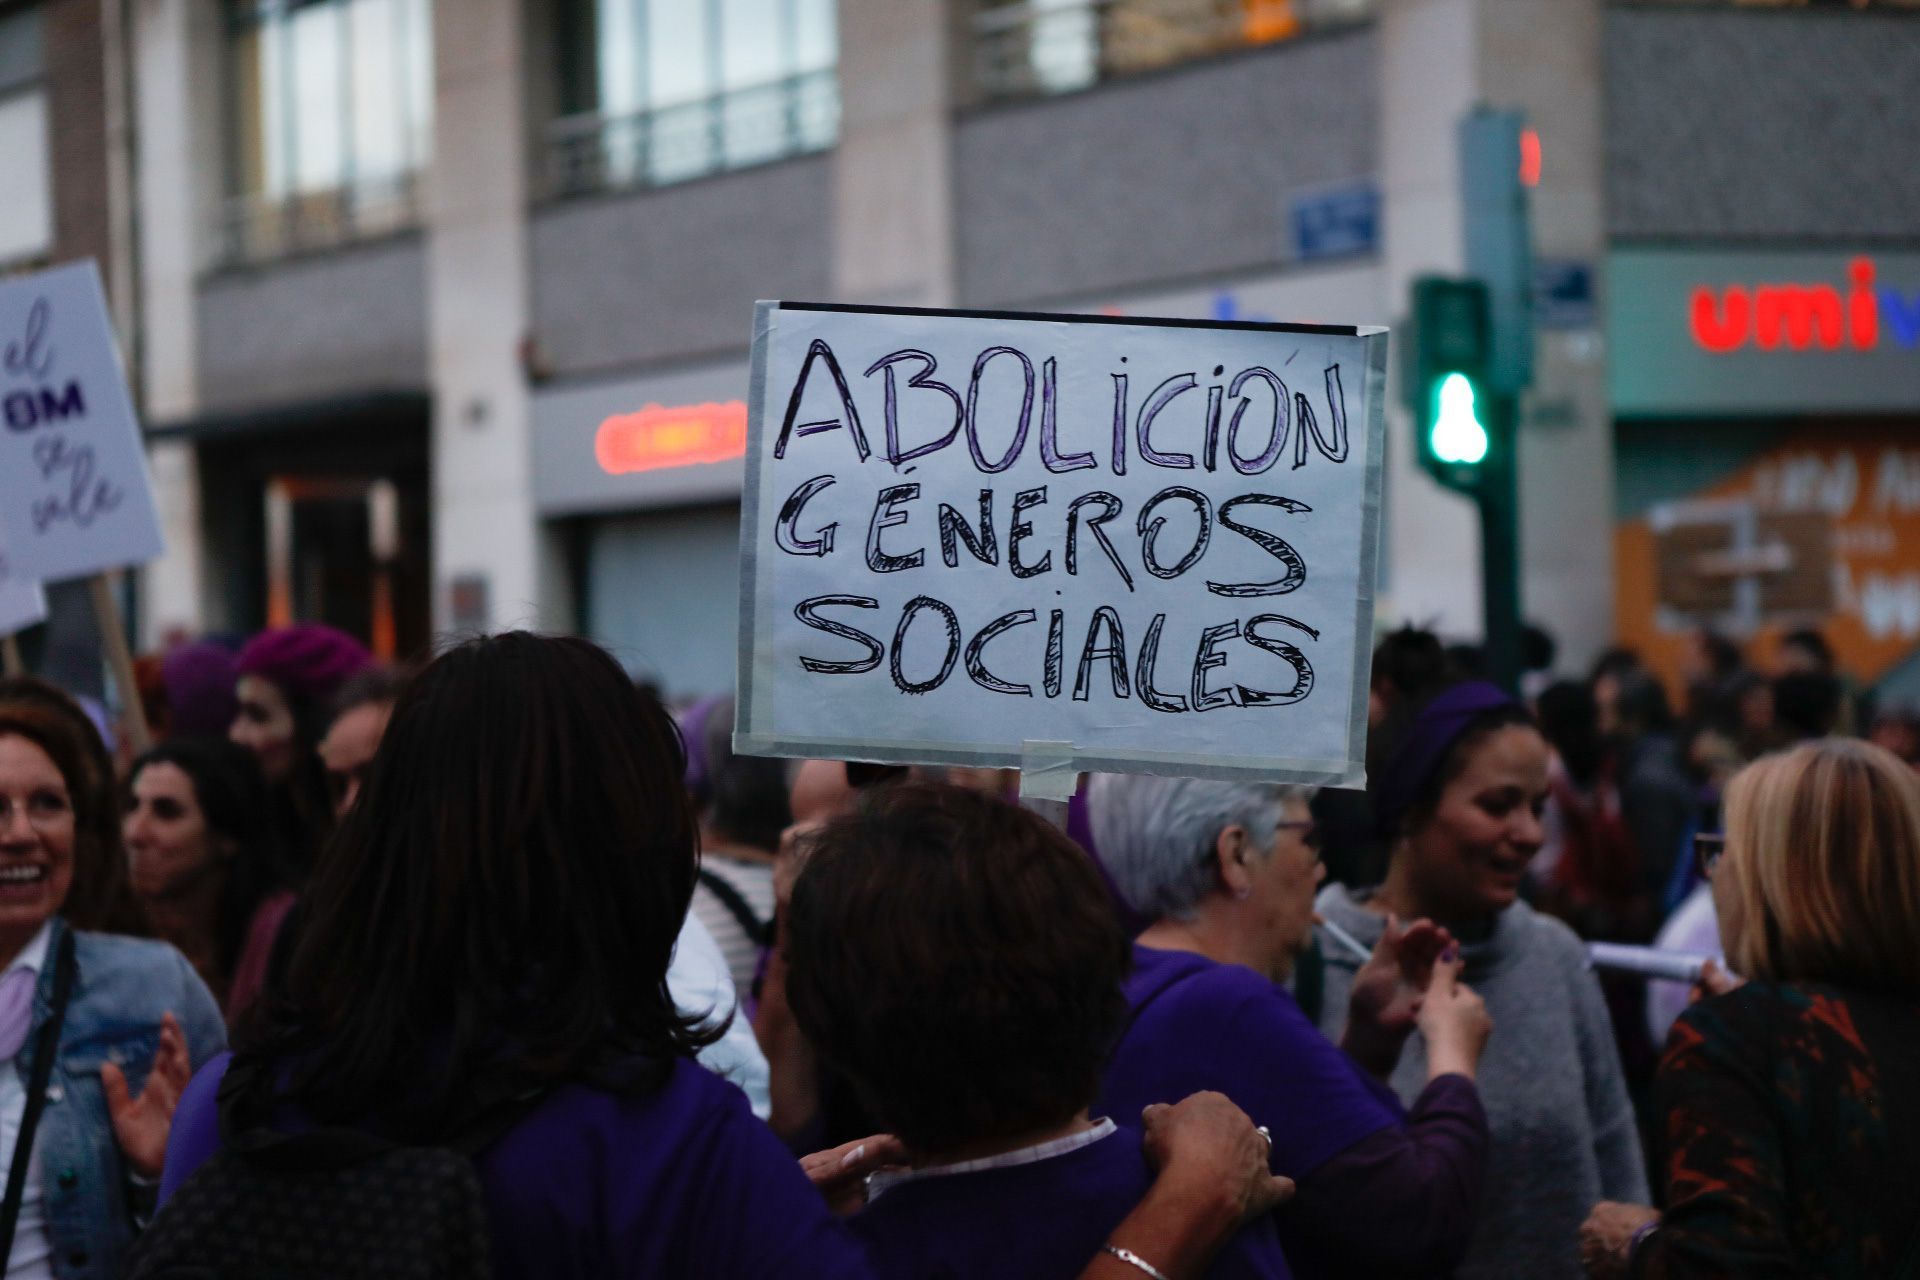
x=205 y=860
x=494 y=921
x=287 y=679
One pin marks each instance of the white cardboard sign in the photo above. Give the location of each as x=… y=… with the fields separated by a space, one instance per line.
x=22 y=600
x=75 y=496
x=1060 y=543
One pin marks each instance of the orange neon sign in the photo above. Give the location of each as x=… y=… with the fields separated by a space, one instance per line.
x=656 y=438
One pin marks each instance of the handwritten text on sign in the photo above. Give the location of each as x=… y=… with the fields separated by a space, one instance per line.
x=74 y=493
x=968 y=536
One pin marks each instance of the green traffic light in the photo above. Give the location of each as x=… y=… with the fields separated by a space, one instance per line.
x=1458 y=435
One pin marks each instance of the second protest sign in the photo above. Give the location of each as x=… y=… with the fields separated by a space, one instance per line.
x=1079 y=542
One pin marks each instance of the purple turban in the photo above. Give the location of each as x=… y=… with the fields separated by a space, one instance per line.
x=1432 y=734
x=199 y=680
x=308 y=661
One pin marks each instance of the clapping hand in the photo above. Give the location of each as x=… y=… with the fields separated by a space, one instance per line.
x=1384 y=1004
x=141 y=1124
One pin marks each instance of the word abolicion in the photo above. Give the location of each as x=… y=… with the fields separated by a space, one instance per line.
x=1291 y=415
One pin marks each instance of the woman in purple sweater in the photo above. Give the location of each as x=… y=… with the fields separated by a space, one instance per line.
x=1226 y=872
x=494 y=919
x=956 y=958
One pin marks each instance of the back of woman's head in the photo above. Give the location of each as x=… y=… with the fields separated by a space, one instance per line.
x=506 y=894
x=1821 y=881
x=957 y=958
x=746 y=796
x=102 y=896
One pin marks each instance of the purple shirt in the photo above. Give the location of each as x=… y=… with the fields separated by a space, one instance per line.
x=1040 y=1221
x=685 y=1182
x=1201 y=1025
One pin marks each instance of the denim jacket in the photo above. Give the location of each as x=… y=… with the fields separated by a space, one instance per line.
x=121 y=987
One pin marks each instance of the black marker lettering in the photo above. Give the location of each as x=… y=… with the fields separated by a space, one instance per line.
x=1278 y=426
x=1021 y=530
x=1143 y=671
x=820 y=350
x=1110 y=509
x=1288 y=653
x=973 y=404
x=907 y=615
x=1336 y=419
x=1149 y=527
x=1114 y=650
x=1205 y=659
x=1050 y=454
x=887 y=514
x=808 y=612
x=921 y=380
x=984 y=545
x=1162 y=396
x=784 y=536
x=1279 y=548
x=977 y=667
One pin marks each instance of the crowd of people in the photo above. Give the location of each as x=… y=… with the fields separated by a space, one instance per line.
x=503 y=967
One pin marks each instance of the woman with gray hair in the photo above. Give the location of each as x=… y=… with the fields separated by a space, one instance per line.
x=1225 y=873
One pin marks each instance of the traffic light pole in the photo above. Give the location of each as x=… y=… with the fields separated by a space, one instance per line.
x=1499 y=503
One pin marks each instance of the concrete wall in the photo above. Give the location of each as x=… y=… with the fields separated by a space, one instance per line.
x=1162 y=177
x=1723 y=123
x=354 y=319
x=669 y=274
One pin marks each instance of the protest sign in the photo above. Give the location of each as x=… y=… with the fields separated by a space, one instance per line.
x=1058 y=543
x=75 y=497
x=22 y=603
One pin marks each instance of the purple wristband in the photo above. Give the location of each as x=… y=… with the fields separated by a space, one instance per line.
x=1639 y=1237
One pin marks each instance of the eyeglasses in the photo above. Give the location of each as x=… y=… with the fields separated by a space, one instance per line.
x=1309 y=829
x=1707 y=848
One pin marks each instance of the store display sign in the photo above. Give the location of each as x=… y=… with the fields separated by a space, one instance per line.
x=660 y=440
x=1711 y=332
x=75 y=497
x=1059 y=543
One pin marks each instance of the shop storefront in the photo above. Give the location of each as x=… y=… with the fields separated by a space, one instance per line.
x=1768 y=450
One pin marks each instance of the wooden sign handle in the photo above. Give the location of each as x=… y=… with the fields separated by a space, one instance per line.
x=106 y=611
x=11 y=663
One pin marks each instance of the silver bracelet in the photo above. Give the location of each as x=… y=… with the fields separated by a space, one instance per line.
x=1133 y=1259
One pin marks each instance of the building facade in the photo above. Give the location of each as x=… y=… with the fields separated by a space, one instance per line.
x=445 y=306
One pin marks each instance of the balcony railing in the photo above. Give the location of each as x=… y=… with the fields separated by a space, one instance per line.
x=1058 y=46
x=733 y=130
x=258 y=228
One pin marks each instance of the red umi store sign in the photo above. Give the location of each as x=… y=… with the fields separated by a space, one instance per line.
x=1802 y=317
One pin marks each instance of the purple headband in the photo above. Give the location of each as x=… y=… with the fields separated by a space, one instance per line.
x=1432 y=734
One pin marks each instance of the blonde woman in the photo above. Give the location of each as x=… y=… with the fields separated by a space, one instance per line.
x=1789 y=1106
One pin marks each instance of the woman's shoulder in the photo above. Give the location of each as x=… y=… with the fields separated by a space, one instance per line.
x=117 y=963
x=137 y=980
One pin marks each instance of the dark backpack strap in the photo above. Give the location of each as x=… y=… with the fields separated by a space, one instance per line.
x=758 y=931
x=46 y=1048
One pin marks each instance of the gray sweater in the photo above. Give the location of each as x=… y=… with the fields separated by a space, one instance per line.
x=1562 y=1127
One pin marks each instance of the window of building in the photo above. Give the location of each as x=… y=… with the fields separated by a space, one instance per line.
x=26 y=213
x=1025 y=47
x=676 y=89
x=330 y=120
